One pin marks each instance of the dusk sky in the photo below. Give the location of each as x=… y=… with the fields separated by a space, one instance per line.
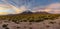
x=19 y=6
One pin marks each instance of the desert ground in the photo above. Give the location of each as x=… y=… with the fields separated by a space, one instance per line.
x=47 y=24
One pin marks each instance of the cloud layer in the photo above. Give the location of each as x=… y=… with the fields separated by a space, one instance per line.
x=16 y=7
x=10 y=9
x=53 y=8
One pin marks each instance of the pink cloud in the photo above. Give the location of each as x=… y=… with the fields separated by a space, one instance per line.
x=53 y=8
x=38 y=9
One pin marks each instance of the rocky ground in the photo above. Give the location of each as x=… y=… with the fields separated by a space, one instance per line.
x=47 y=24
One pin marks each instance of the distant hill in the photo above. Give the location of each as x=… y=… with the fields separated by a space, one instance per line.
x=42 y=13
x=29 y=12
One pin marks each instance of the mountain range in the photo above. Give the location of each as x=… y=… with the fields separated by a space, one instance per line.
x=29 y=12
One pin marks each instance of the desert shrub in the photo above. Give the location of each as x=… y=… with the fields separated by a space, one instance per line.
x=47 y=26
x=25 y=27
x=6 y=28
x=4 y=25
x=24 y=20
x=18 y=27
x=30 y=17
x=52 y=22
x=30 y=23
x=30 y=27
x=39 y=20
x=15 y=21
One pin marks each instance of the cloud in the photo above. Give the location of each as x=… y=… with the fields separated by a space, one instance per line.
x=53 y=8
x=19 y=10
x=38 y=9
x=6 y=9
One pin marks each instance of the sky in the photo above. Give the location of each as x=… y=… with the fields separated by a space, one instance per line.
x=19 y=6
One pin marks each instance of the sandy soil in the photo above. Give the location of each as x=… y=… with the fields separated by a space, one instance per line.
x=47 y=24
